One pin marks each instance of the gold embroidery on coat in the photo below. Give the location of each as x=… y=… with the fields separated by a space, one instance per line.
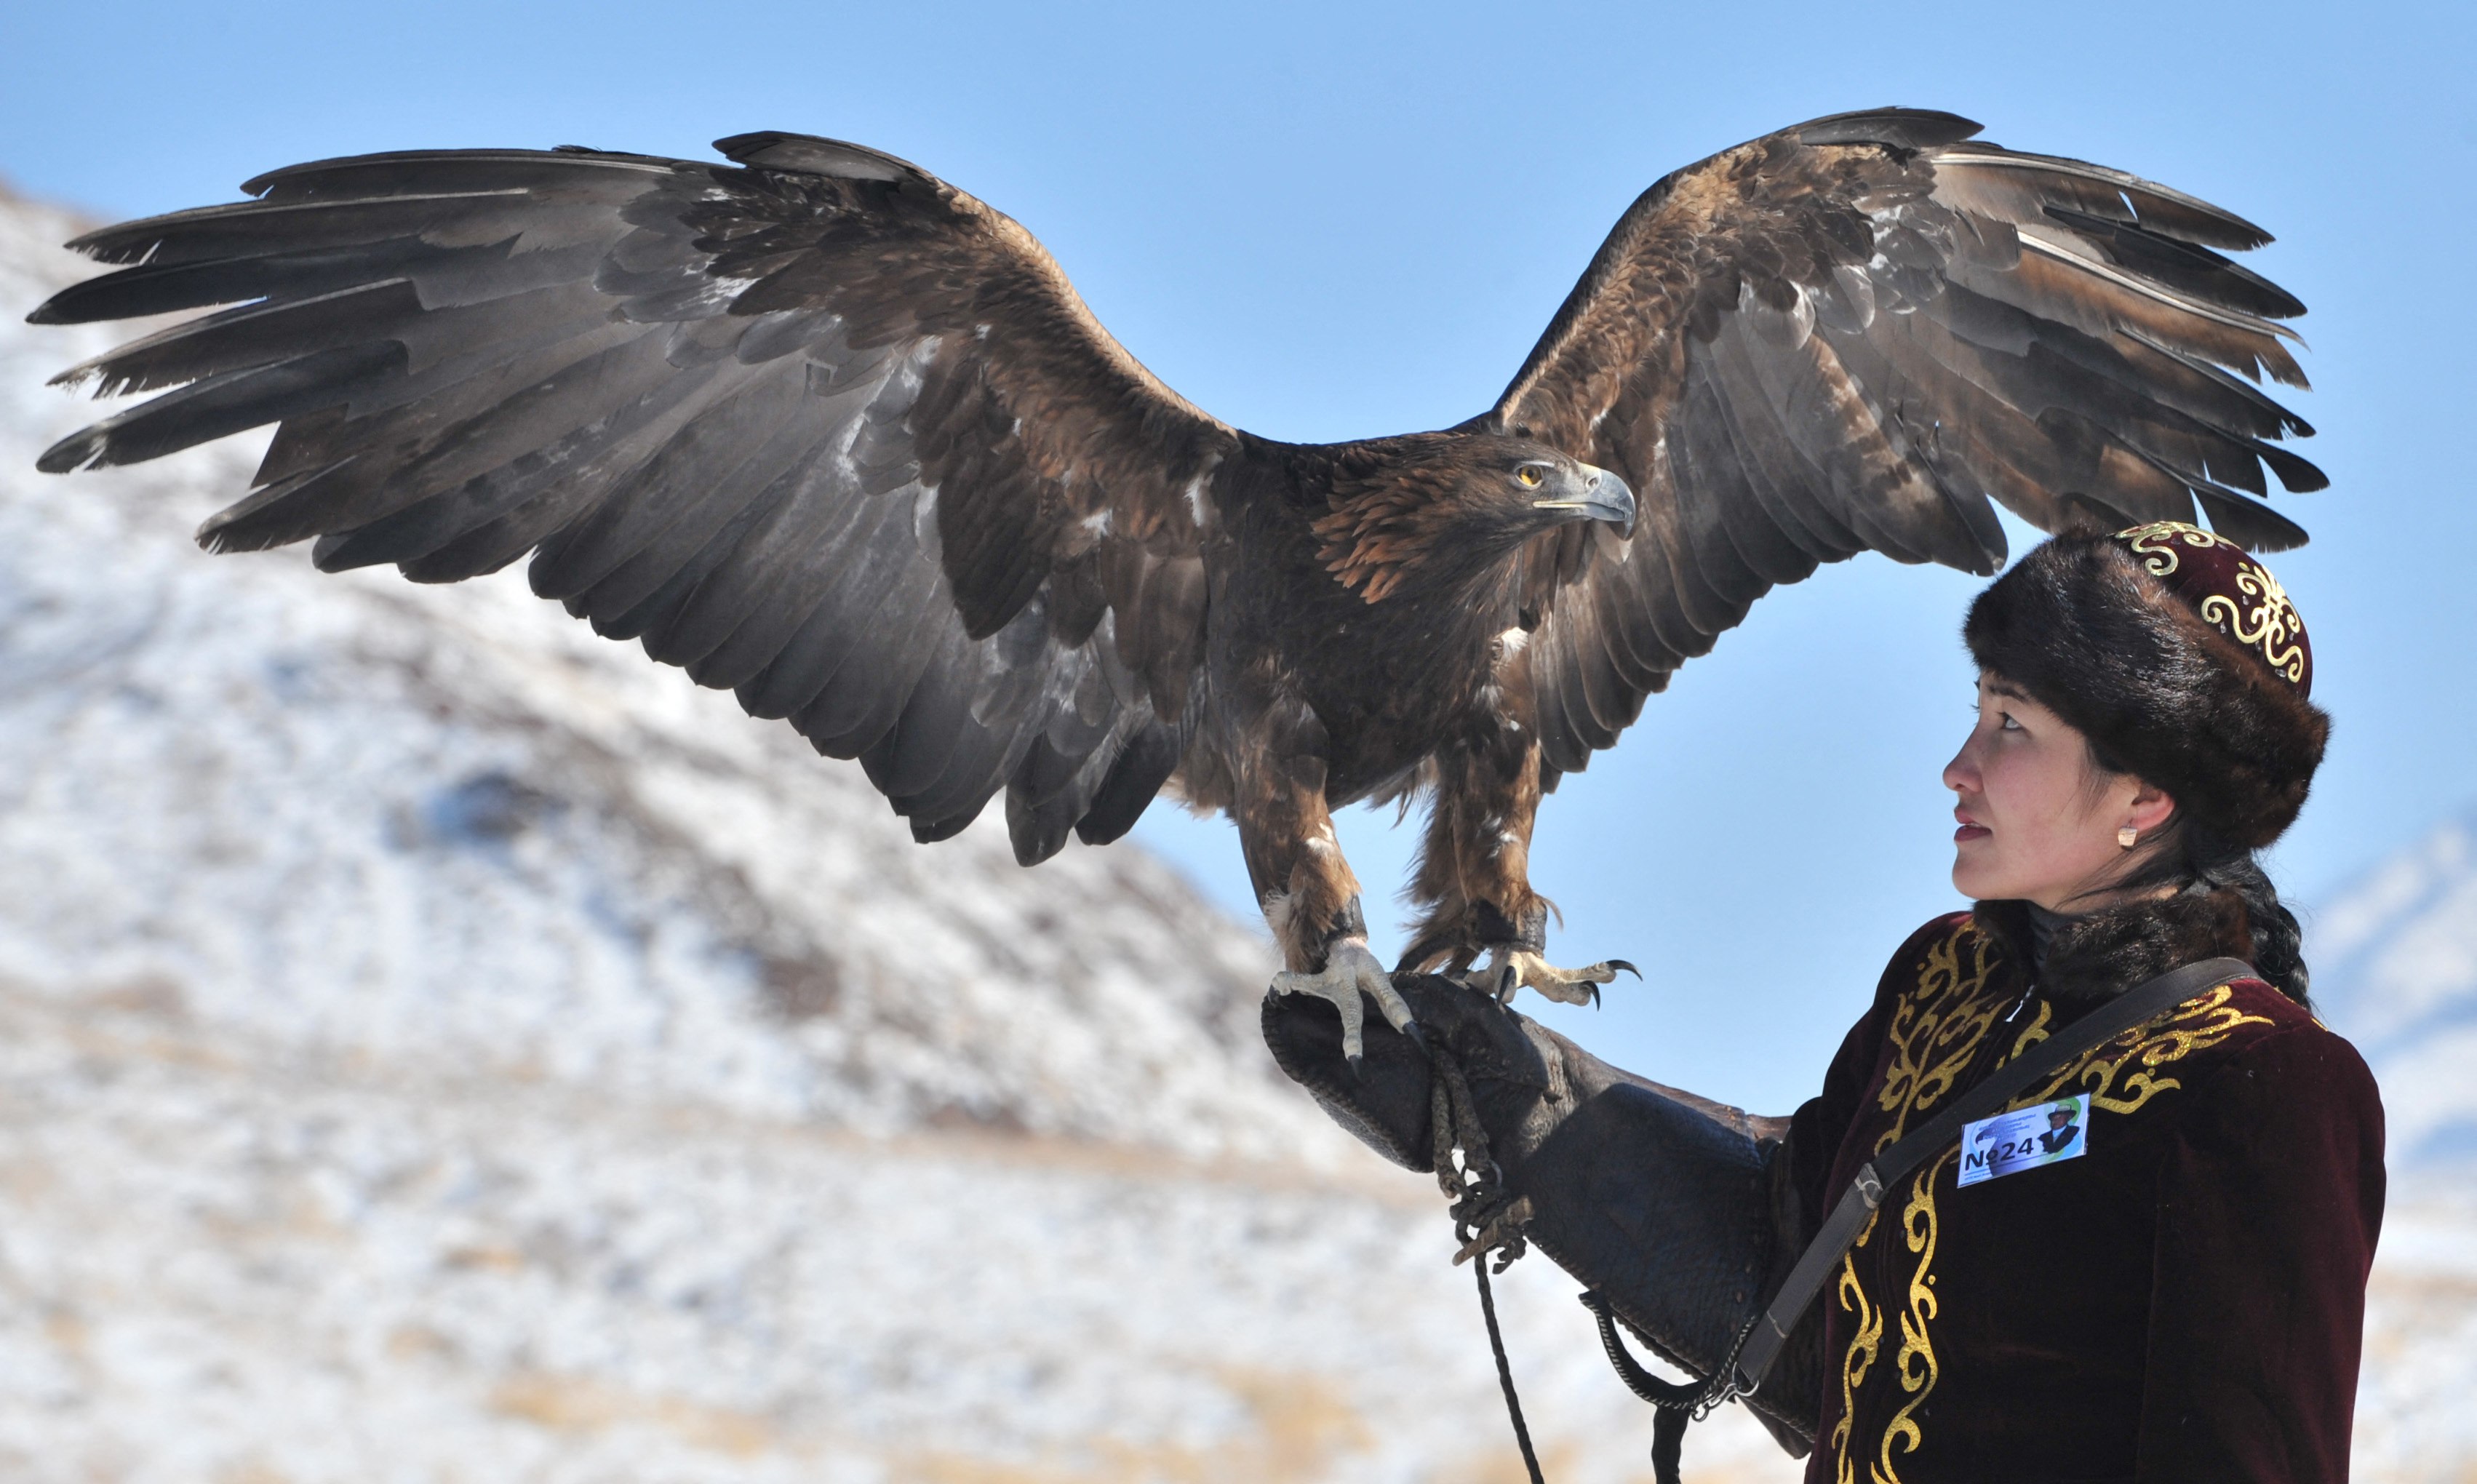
x=2197 y=1025
x=2033 y=1033
x=1919 y=1226
x=1935 y=1030
x=1860 y=1357
x=1936 y=1027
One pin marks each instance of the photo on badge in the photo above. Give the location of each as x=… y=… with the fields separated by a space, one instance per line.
x=2025 y=1139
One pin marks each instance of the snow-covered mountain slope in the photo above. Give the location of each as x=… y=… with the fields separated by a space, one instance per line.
x=366 y=816
x=2394 y=961
x=438 y=1044
x=2395 y=970
x=2414 y=1421
x=230 y=1260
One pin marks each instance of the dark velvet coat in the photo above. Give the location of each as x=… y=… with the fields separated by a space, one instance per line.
x=2183 y=1302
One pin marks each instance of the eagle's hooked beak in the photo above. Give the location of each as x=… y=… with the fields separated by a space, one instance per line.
x=1594 y=495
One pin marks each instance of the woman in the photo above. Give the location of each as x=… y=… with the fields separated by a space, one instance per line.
x=2174 y=1293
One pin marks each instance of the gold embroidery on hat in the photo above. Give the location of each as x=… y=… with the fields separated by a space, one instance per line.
x=2270 y=624
x=2151 y=543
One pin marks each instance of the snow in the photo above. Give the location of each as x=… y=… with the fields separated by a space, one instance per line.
x=2414 y=1421
x=2403 y=942
x=2394 y=961
x=350 y=814
x=2395 y=969
x=438 y=1044
x=243 y=1257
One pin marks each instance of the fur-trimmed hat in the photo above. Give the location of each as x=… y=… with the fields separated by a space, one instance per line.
x=2180 y=658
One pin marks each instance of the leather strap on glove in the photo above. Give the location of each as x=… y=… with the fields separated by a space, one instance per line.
x=1676 y=1209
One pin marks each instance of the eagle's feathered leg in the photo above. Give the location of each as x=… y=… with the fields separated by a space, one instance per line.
x=1308 y=891
x=1474 y=878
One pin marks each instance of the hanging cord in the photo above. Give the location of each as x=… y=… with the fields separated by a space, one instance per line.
x=1697 y=1399
x=1484 y=1221
x=1505 y=1373
x=1679 y=1402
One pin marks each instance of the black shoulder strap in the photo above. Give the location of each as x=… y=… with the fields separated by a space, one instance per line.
x=2134 y=1007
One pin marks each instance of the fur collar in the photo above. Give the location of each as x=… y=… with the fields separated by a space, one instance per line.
x=2100 y=956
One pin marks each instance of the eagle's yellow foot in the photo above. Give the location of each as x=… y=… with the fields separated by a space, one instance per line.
x=1349 y=971
x=1510 y=969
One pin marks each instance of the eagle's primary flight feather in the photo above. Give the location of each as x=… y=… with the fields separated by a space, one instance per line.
x=832 y=434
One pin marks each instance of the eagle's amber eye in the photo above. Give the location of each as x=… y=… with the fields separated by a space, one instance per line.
x=1529 y=474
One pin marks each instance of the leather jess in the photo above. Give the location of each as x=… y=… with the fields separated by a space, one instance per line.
x=1684 y=1260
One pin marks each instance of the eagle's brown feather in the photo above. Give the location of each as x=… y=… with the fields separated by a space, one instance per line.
x=1849 y=335
x=831 y=433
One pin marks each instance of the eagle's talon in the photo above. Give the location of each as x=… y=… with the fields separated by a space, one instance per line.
x=1349 y=971
x=1511 y=968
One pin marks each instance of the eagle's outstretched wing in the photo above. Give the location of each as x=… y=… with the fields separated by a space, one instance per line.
x=822 y=429
x=1846 y=336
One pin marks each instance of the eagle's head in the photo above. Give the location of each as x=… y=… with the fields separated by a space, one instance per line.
x=1447 y=508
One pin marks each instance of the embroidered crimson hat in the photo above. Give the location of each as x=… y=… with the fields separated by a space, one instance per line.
x=2178 y=655
x=2233 y=593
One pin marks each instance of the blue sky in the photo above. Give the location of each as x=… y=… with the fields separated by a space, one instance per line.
x=1329 y=221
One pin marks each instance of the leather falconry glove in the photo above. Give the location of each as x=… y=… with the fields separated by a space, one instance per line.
x=1677 y=1210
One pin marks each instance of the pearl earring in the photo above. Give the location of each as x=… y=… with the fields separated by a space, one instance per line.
x=2127 y=835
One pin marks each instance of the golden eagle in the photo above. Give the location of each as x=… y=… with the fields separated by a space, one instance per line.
x=826 y=431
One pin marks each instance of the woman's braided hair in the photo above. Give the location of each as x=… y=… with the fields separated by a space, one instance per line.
x=2189 y=855
x=2278 y=943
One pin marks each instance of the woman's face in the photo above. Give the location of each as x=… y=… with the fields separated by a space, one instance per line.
x=2039 y=819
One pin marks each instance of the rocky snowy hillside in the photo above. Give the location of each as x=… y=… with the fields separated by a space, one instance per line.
x=2395 y=969
x=372 y=820
x=437 y=1044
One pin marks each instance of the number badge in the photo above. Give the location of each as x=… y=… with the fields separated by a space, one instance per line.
x=2025 y=1139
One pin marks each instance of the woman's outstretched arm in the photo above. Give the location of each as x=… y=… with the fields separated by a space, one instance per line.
x=1683 y=1212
